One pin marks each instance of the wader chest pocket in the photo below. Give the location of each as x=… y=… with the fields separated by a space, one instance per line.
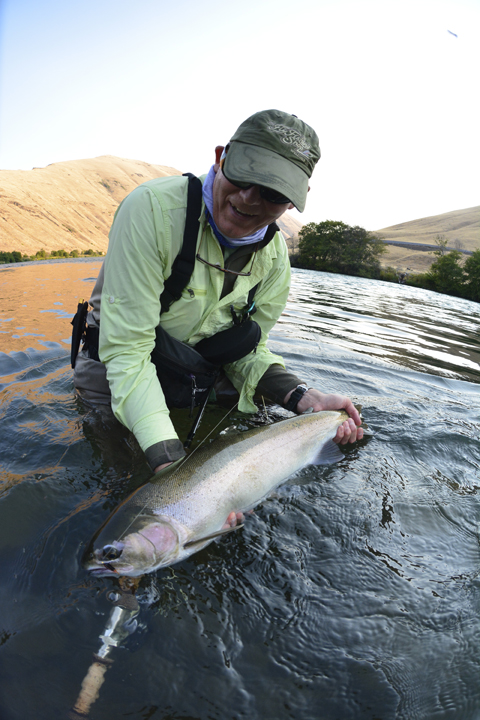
x=187 y=374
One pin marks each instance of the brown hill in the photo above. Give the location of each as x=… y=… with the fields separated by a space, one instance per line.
x=290 y=228
x=459 y=225
x=67 y=205
x=70 y=205
x=461 y=229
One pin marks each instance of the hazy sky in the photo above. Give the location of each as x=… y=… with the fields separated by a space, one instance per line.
x=391 y=92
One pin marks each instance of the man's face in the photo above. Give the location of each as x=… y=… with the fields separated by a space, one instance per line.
x=237 y=212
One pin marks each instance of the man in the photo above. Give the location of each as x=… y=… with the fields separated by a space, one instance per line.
x=261 y=173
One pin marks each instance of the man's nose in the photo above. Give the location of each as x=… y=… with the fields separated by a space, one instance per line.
x=251 y=195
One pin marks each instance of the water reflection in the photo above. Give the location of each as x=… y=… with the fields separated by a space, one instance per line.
x=418 y=329
x=38 y=299
x=352 y=593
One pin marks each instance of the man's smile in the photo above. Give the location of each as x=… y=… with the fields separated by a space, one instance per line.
x=242 y=212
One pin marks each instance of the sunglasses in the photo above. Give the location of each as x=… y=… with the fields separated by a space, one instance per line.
x=266 y=193
x=224 y=269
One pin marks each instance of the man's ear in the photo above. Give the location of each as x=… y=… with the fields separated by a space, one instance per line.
x=218 y=154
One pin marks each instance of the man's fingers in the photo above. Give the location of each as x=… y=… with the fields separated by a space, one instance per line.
x=348 y=432
x=353 y=412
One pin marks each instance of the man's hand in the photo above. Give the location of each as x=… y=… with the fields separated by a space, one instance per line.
x=349 y=431
x=160 y=467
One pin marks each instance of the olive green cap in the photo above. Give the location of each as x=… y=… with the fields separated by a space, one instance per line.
x=277 y=150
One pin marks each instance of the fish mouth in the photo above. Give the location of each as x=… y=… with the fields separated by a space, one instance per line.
x=102 y=570
x=107 y=570
x=102 y=560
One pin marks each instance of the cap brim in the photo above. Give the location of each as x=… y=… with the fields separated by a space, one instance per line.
x=255 y=164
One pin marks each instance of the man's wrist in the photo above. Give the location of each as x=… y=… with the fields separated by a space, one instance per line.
x=295 y=397
x=165 y=451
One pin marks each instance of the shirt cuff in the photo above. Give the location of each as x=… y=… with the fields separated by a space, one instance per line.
x=164 y=451
x=276 y=383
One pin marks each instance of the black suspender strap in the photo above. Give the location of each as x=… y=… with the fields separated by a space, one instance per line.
x=183 y=264
x=271 y=230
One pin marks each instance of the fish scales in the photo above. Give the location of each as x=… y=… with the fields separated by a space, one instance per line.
x=176 y=513
x=231 y=479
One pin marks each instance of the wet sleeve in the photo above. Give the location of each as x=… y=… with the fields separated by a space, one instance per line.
x=276 y=383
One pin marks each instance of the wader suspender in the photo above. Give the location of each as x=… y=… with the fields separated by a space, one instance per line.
x=182 y=267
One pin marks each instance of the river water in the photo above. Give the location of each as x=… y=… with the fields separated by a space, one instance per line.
x=351 y=594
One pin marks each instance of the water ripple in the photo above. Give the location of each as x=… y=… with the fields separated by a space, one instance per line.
x=352 y=593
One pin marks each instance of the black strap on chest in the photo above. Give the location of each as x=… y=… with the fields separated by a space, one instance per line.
x=183 y=264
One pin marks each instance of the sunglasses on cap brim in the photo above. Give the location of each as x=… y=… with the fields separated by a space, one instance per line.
x=266 y=193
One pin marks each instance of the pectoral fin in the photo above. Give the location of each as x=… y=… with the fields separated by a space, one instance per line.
x=328 y=453
x=202 y=541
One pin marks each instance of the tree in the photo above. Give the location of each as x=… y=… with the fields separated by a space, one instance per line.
x=472 y=272
x=446 y=275
x=334 y=246
x=441 y=241
x=11 y=257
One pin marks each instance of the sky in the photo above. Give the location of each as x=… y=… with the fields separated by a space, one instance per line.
x=390 y=86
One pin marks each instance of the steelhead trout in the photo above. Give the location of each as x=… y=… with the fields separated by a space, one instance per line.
x=185 y=506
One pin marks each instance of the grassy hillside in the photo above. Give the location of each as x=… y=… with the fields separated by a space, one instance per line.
x=461 y=228
x=70 y=205
x=459 y=225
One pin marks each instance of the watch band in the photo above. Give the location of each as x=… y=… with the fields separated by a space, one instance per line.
x=294 y=399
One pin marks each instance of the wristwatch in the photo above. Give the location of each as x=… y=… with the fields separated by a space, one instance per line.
x=294 y=399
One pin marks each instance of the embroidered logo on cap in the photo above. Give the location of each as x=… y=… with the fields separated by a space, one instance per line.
x=292 y=137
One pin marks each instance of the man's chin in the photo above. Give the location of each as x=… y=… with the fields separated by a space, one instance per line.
x=237 y=230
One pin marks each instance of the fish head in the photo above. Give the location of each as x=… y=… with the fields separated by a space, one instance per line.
x=152 y=543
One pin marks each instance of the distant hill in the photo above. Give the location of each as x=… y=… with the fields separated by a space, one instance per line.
x=70 y=205
x=290 y=228
x=461 y=229
x=461 y=225
x=67 y=205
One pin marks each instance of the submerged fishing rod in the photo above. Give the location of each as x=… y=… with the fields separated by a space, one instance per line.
x=121 y=623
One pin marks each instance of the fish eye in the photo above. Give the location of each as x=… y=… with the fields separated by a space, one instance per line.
x=110 y=552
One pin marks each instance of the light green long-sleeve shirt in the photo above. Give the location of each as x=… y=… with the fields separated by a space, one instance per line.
x=145 y=238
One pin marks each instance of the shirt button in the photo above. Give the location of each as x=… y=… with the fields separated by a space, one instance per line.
x=111 y=299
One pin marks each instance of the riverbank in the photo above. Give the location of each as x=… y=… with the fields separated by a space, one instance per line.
x=52 y=261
